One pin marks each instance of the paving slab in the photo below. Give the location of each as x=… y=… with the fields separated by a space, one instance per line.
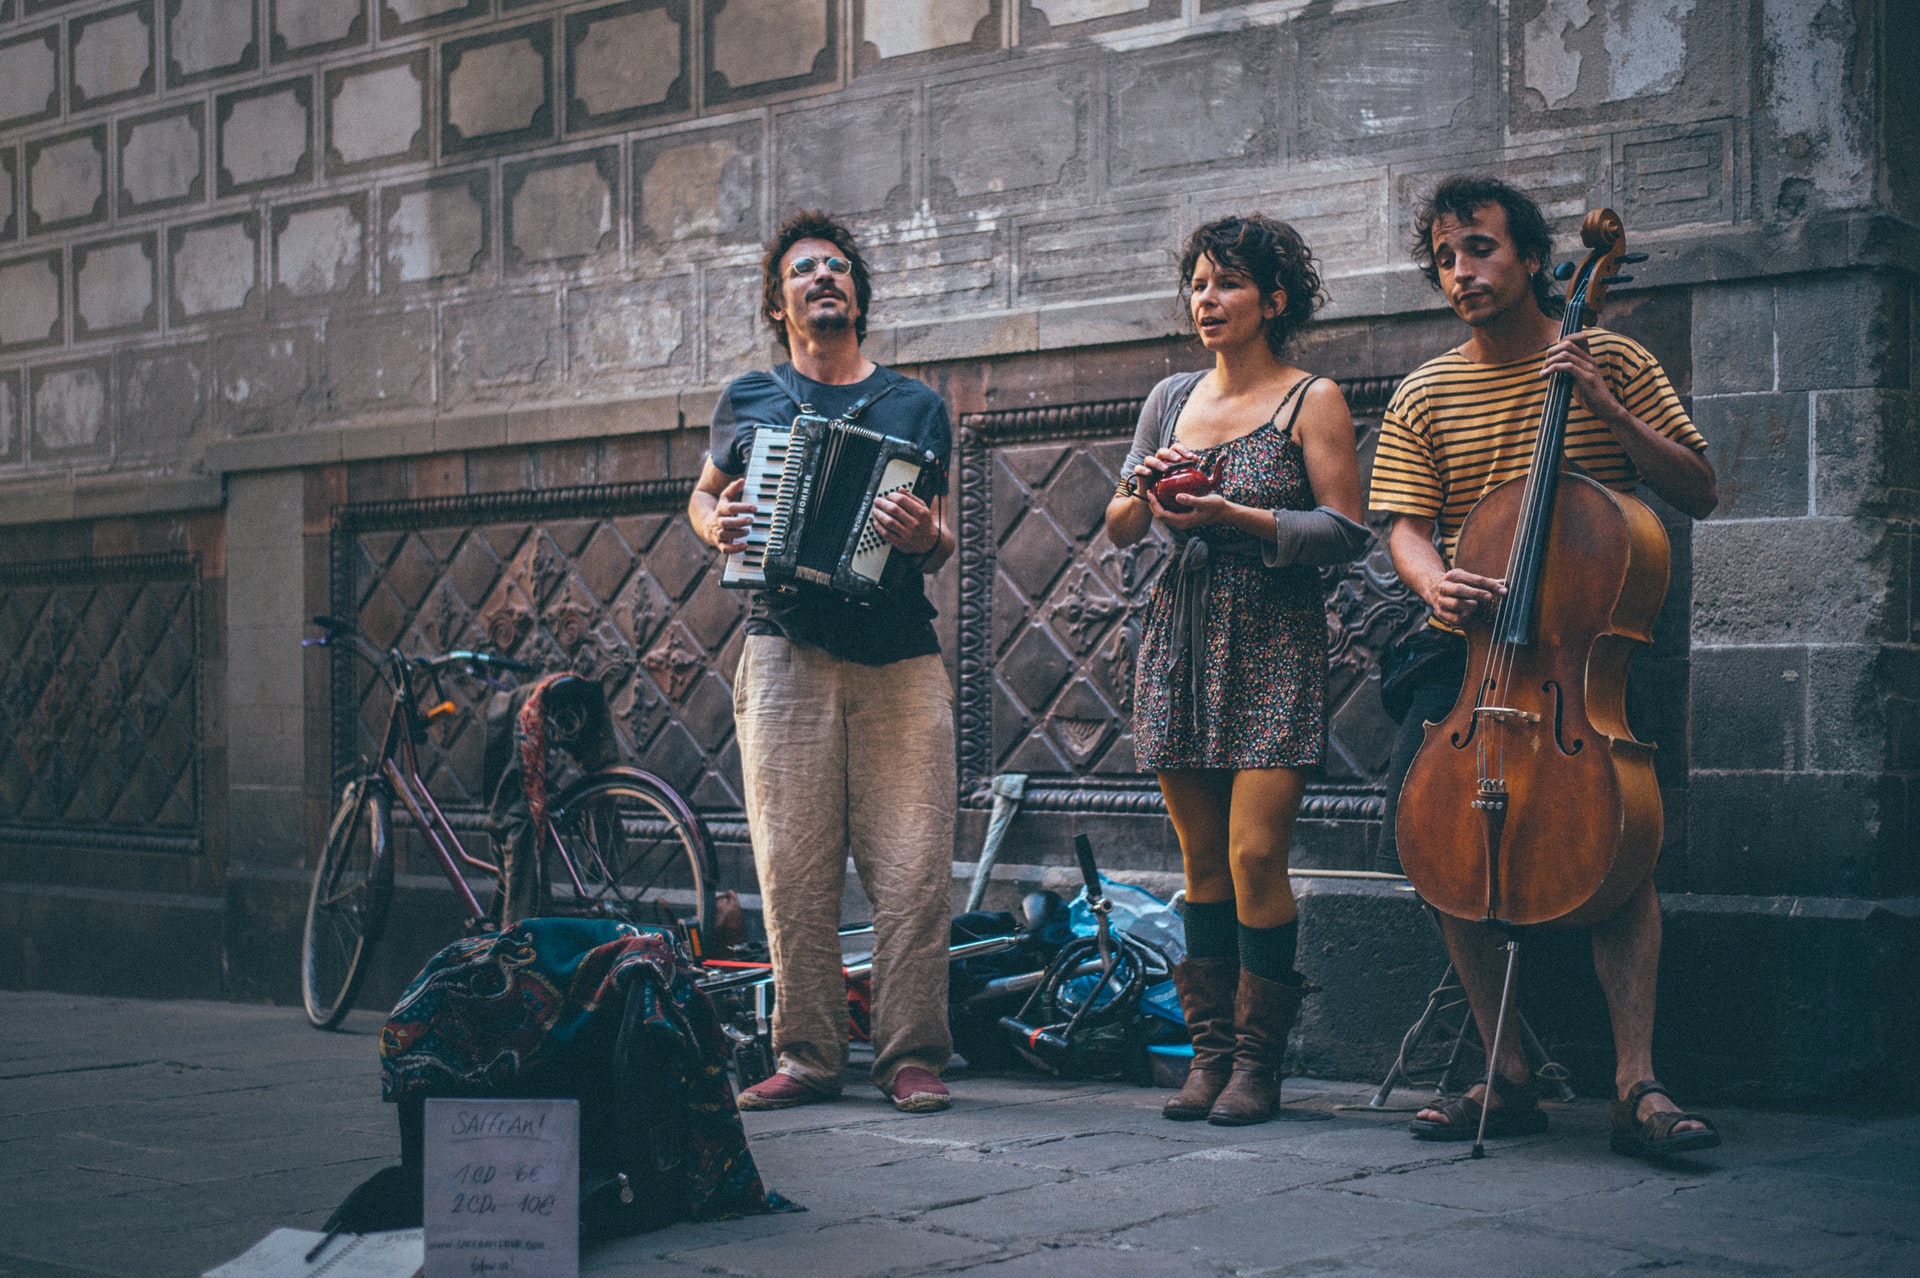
x=157 y=1139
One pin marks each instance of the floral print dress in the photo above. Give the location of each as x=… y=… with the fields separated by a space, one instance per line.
x=1261 y=686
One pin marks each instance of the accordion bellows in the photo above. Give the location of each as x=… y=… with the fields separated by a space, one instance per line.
x=814 y=483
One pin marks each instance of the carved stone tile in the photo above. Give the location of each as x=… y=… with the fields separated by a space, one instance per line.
x=264 y=136
x=115 y=287
x=1156 y=130
x=1035 y=667
x=66 y=180
x=817 y=169
x=712 y=611
x=1013 y=132
x=319 y=248
x=213 y=266
x=305 y=27
x=674 y=662
x=643 y=333
x=604 y=562
x=110 y=55
x=34 y=310
x=1010 y=722
x=161 y=159
x=1082 y=723
x=702 y=185
x=434 y=230
x=1082 y=609
x=1092 y=254
x=1389 y=78
x=760 y=47
x=1077 y=499
x=206 y=38
x=163 y=398
x=381 y=362
x=71 y=415
x=1670 y=181
x=1034 y=553
x=708 y=711
x=677 y=559
x=1010 y=611
x=496 y=90
x=561 y=208
x=377 y=113
x=30 y=77
x=628 y=62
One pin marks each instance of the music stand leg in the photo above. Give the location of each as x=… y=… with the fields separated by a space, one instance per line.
x=1493 y=1050
x=1410 y=1041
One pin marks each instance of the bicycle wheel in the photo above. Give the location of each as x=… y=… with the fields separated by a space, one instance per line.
x=347 y=907
x=633 y=850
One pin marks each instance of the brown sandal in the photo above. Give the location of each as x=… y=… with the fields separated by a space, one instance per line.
x=1655 y=1138
x=1519 y=1114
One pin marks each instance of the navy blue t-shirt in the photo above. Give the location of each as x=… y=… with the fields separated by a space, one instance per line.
x=898 y=622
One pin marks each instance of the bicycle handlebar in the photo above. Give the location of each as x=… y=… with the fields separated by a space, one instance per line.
x=1083 y=849
x=336 y=628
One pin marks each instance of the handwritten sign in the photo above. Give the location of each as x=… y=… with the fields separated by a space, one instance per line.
x=503 y=1188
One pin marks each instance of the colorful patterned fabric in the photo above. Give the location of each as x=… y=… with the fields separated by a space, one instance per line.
x=530 y=736
x=487 y=1009
x=1456 y=428
x=1263 y=682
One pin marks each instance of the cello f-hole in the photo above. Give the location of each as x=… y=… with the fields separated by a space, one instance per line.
x=1559 y=720
x=1459 y=742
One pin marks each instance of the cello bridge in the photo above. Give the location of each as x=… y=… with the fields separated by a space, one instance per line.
x=1507 y=713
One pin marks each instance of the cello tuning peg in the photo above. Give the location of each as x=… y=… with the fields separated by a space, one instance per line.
x=1563 y=272
x=1616 y=279
x=1630 y=258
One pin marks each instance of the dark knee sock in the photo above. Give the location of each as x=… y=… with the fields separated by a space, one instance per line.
x=1210 y=930
x=1268 y=952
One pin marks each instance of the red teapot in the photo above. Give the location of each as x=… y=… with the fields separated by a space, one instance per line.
x=1184 y=479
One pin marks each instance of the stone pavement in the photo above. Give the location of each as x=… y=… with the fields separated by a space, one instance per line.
x=157 y=1139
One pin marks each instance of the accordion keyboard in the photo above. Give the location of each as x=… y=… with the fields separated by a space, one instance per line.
x=765 y=466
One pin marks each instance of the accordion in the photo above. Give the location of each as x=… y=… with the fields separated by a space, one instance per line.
x=814 y=484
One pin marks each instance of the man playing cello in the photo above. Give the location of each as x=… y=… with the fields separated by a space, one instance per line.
x=1458 y=426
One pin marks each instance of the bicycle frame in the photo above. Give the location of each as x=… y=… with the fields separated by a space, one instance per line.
x=400 y=767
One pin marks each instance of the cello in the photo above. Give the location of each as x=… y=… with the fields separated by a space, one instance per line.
x=1532 y=803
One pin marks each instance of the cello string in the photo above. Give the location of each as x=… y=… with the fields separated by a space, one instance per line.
x=1526 y=556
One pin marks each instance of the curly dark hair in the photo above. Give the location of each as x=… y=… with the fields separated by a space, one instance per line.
x=1271 y=254
x=1463 y=195
x=812 y=224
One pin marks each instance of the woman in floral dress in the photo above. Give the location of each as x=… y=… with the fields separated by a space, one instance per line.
x=1231 y=676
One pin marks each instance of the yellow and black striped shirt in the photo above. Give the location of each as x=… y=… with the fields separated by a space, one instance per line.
x=1455 y=429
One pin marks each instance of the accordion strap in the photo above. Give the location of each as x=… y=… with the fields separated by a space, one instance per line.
x=784 y=375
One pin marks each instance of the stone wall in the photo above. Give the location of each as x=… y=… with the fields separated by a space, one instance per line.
x=258 y=260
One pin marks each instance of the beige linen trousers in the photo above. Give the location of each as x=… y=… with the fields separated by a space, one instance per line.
x=841 y=760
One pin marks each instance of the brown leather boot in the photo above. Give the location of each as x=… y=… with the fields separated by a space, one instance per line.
x=1206 y=999
x=1263 y=1015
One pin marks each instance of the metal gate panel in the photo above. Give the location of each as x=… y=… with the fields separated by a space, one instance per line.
x=100 y=702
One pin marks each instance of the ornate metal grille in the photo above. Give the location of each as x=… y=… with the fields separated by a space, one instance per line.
x=100 y=702
x=607 y=581
x=1049 y=617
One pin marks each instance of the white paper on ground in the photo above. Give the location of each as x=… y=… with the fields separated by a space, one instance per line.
x=399 y=1253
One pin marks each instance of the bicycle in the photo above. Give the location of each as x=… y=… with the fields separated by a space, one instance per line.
x=622 y=842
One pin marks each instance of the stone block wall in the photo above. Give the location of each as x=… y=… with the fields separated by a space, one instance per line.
x=260 y=258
